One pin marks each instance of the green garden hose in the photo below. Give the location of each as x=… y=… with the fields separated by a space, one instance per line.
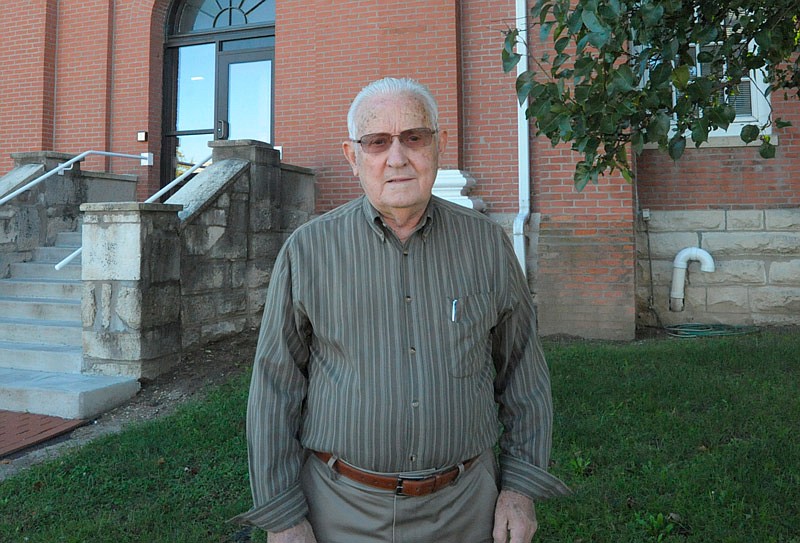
x=693 y=330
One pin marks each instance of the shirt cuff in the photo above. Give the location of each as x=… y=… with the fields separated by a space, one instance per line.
x=529 y=480
x=278 y=514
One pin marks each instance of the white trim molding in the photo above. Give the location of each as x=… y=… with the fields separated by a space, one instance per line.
x=455 y=186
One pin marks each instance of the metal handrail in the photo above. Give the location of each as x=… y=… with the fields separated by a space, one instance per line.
x=178 y=180
x=146 y=160
x=150 y=200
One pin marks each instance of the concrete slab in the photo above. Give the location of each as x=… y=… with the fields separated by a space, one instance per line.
x=63 y=395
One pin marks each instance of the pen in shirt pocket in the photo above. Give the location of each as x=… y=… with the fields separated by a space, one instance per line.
x=454 y=310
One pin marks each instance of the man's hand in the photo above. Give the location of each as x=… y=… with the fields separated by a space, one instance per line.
x=514 y=518
x=302 y=533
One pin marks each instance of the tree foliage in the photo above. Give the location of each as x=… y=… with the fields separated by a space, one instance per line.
x=620 y=73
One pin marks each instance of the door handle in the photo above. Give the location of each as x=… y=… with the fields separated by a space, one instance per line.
x=222 y=129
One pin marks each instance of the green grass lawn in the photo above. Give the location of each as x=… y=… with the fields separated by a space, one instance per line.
x=660 y=440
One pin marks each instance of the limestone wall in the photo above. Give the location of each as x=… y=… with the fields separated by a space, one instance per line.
x=757 y=257
x=235 y=219
x=35 y=217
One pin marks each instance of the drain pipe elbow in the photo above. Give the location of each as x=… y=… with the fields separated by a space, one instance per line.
x=679 y=266
x=523 y=146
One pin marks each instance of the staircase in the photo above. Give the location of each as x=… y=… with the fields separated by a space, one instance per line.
x=41 y=351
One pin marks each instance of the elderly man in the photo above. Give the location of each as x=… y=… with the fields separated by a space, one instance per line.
x=398 y=342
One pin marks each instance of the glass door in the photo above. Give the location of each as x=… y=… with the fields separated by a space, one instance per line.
x=222 y=90
x=244 y=106
x=194 y=106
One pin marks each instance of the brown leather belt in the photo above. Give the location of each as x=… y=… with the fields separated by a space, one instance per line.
x=401 y=486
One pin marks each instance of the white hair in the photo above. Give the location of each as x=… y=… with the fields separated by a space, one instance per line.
x=389 y=87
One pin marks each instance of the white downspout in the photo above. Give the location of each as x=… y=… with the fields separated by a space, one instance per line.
x=679 y=266
x=523 y=145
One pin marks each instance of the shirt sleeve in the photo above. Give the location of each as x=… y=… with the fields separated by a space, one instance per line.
x=274 y=411
x=522 y=390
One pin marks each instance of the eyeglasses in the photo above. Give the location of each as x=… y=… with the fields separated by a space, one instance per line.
x=413 y=138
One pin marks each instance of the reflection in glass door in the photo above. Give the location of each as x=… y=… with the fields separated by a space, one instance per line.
x=249 y=102
x=194 y=118
x=223 y=91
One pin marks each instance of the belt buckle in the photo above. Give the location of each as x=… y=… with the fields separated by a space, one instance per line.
x=398 y=489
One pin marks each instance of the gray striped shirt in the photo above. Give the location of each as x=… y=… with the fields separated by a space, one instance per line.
x=395 y=357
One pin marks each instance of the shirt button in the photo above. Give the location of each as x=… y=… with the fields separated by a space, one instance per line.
x=412 y=350
x=408 y=299
x=405 y=252
x=413 y=457
x=415 y=403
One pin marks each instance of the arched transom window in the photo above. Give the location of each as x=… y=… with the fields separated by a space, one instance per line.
x=219 y=77
x=206 y=15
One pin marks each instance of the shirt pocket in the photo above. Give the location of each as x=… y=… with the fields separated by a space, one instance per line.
x=468 y=323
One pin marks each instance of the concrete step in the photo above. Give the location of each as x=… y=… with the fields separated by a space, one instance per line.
x=63 y=395
x=46 y=270
x=47 y=309
x=48 y=332
x=41 y=357
x=42 y=288
x=54 y=254
x=69 y=239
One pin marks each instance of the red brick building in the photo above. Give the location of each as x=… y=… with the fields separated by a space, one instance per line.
x=106 y=74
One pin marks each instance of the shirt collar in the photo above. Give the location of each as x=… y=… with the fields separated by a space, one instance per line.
x=375 y=219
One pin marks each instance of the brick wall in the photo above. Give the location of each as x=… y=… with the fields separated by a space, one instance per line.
x=585 y=279
x=83 y=75
x=489 y=105
x=727 y=177
x=326 y=52
x=137 y=74
x=83 y=79
x=27 y=83
x=584 y=283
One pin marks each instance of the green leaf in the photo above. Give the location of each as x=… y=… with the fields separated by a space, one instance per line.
x=680 y=77
x=716 y=115
x=764 y=39
x=526 y=82
x=705 y=34
x=599 y=39
x=541 y=10
x=729 y=112
x=767 y=149
x=612 y=9
x=749 y=133
x=584 y=66
x=582 y=176
x=544 y=31
x=661 y=73
x=637 y=141
x=510 y=58
x=592 y=22
x=561 y=44
x=700 y=129
x=621 y=80
x=677 y=144
x=658 y=127
x=575 y=21
x=780 y=123
x=652 y=13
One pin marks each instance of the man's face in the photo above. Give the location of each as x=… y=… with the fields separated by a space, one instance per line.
x=398 y=180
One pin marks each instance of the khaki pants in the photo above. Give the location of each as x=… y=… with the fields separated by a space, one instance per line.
x=344 y=511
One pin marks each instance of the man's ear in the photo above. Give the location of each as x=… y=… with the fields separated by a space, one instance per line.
x=349 y=149
x=442 y=141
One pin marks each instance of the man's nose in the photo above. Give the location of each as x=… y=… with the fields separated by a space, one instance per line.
x=397 y=153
